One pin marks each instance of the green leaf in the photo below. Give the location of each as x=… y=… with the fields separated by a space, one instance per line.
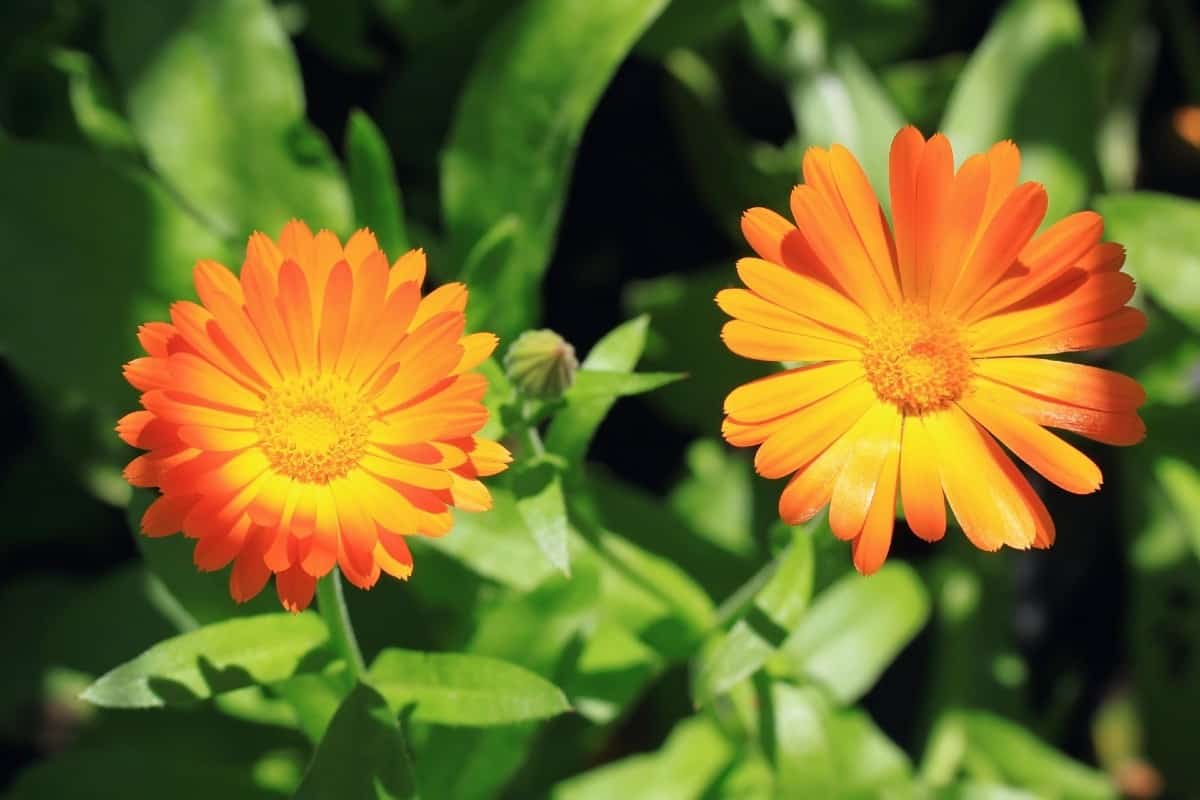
x=828 y=753
x=993 y=747
x=717 y=497
x=214 y=94
x=691 y=759
x=1030 y=81
x=610 y=672
x=574 y=426
x=854 y=630
x=373 y=187
x=362 y=755
x=92 y=103
x=519 y=121
x=77 y=211
x=540 y=502
x=775 y=611
x=461 y=689
x=1161 y=233
x=497 y=544
x=213 y=659
x=597 y=384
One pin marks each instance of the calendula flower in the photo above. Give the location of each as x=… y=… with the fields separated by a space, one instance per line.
x=918 y=340
x=311 y=414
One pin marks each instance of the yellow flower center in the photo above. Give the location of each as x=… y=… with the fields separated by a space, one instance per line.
x=314 y=428
x=916 y=360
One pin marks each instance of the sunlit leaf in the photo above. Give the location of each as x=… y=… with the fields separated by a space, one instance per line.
x=1029 y=80
x=775 y=611
x=363 y=754
x=213 y=659
x=540 y=502
x=1161 y=234
x=214 y=94
x=461 y=689
x=518 y=124
x=854 y=630
x=688 y=762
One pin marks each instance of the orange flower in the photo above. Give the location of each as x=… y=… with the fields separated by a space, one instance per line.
x=918 y=347
x=311 y=414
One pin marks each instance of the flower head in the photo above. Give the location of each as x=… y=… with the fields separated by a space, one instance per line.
x=310 y=414
x=917 y=341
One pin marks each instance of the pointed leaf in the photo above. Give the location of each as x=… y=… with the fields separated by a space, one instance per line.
x=216 y=658
x=460 y=689
x=373 y=187
x=538 y=489
x=363 y=754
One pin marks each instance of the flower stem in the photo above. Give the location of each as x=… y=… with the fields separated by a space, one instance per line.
x=331 y=602
x=529 y=433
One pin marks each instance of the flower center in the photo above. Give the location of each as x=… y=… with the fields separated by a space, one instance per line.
x=314 y=428
x=916 y=360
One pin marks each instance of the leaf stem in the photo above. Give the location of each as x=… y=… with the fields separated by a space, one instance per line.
x=331 y=602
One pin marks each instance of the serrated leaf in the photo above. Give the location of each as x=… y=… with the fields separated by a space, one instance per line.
x=461 y=689
x=854 y=630
x=377 y=203
x=1029 y=80
x=519 y=121
x=214 y=95
x=1161 y=234
x=775 y=611
x=363 y=754
x=216 y=658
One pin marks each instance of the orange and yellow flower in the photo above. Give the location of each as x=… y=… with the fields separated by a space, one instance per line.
x=311 y=414
x=917 y=341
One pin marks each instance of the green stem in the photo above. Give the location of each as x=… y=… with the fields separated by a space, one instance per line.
x=529 y=433
x=331 y=602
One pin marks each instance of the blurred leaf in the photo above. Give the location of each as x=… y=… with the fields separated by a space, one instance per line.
x=688 y=762
x=845 y=104
x=497 y=544
x=689 y=25
x=518 y=124
x=775 y=611
x=213 y=659
x=540 y=502
x=1162 y=235
x=993 y=748
x=922 y=89
x=731 y=172
x=1129 y=81
x=462 y=689
x=685 y=336
x=340 y=29
x=716 y=498
x=363 y=754
x=93 y=104
x=832 y=754
x=373 y=184
x=74 y=212
x=215 y=97
x=854 y=630
x=314 y=699
x=574 y=426
x=610 y=672
x=472 y=763
x=880 y=30
x=202 y=597
x=1030 y=81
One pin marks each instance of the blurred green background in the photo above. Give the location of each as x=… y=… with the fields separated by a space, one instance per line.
x=583 y=163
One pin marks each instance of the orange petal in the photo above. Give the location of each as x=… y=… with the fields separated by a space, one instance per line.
x=920 y=482
x=426 y=356
x=217 y=439
x=866 y=216
x=336 y=314
x=250 y=572
x=1117 y=428
x=295 y=308
x=260 y=290
x=296 y=243
x=935 y=179
x=240 y=332
x=877 y=444
x=170 y=408
x=810 y=430
x=448 y=297
x=1077 y=384
x=408 y=267
x=261 y=249
x=764 y=231
x=165 y=515
x=366 y=305
x=393 y=555
x=470 y=495
x=784 y=392
x=1098 y=297
x=827 y=234
x=1056 y=460
x=295 y=588
x=754 y=341
x=477 y=348
x=802 y=295
x=749 y=307
x=359 y=246
x=154 y=337
x=193 y=375
x=1117 y=328
x=147 y=373
x=212 y=279
x=1104 y=257
x=870 y=548
x=320 y=551
x=904 y=160
x=406 y=472
x=196 y=325
x=959 y=227
x=988 y=506
x=216 y=551
x=380 y=349
x=1005 y=161
x=359 y=532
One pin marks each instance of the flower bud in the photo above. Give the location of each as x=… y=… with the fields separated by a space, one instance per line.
x=541 y=364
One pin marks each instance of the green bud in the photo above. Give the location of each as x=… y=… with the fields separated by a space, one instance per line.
x=542 y=364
